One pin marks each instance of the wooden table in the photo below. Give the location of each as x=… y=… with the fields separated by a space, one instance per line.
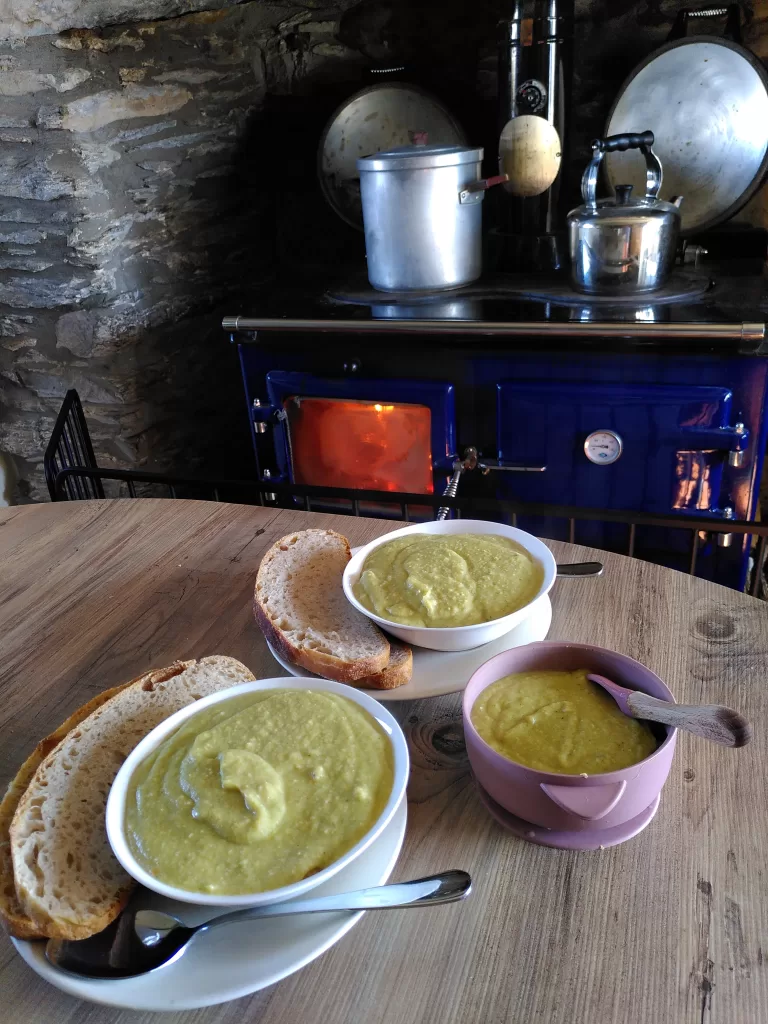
x=670 y=928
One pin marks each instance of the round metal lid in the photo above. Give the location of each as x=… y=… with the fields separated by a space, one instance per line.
x=638 y=206
x=377 y=118
x=404 y=158
x=706 y=101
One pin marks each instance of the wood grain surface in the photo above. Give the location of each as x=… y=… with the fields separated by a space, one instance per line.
x=670 y=928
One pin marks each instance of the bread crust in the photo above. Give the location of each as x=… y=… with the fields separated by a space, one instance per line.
x=14 y=917
x=314 y=661
x=397 y=673
x=14 y=913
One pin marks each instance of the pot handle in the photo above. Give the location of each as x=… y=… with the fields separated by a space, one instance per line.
x=587 y=802
x=619 y=143
x=473 y=192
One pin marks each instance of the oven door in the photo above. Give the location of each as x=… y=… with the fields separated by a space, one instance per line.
x=658 y=448
x=375 y=434
x=651 y=448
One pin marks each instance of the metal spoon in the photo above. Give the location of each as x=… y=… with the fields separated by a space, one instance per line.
x=140 y=941
x=580 y=569
x=712 y=721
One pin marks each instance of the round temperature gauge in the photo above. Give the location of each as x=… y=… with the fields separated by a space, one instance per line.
x=603 y=447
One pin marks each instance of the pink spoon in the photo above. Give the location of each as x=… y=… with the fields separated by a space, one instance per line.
x=712 y=721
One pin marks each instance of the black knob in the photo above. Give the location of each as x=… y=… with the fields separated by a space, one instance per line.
x=532 y=96
x=623 y=195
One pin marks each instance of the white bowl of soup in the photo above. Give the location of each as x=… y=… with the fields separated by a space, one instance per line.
x=259 y=793
x=451 y=585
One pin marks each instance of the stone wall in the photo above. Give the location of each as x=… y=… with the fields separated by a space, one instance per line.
x=153 y=172
x=135 y=208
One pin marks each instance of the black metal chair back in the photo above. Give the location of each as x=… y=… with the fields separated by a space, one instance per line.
x=70 y=448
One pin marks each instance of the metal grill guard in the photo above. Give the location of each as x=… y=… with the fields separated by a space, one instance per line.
x=72 y=474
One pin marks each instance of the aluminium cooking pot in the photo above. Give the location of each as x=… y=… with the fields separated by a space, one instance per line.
x=568 y=802
x=422 y=215
x=623 y=244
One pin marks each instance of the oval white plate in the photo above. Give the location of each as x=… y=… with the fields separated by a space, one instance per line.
x=238 y=960
x=439 y=672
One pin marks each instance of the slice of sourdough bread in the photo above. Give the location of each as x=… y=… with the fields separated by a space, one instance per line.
x=300 y=605
x=67 y=880
x=397 y=673
x=16 y=920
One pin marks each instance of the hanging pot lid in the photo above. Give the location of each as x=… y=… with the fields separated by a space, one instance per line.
x=706 y=101
x=380 y=117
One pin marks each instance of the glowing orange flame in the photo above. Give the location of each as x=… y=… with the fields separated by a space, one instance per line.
x=369 y=445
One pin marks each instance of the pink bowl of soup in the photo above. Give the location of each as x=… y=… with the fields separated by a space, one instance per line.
x=555 y=799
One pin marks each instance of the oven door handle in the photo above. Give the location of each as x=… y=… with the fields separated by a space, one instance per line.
x=471 y=461
x=496 y=466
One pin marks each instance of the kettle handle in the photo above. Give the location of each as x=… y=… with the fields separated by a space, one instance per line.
x=619 y=143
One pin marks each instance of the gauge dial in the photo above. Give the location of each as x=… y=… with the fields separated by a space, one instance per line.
x=603 y=447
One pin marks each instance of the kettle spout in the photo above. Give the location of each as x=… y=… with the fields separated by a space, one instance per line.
x=677 y=201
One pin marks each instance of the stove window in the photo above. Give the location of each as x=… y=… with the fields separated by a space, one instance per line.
x=376 y=446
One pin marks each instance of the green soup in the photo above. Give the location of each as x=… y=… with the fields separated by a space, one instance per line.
x=559 y=722
x=259 y=791
x=448 y=579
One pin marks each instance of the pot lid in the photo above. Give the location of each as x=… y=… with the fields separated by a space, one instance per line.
x=706 y=101
x=417 y=157
x=624 y=203
x=379 y=117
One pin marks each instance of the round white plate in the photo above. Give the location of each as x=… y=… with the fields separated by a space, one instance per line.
x=439 y=672
x=240 y=959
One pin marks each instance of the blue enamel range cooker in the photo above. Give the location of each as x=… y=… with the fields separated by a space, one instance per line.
x=659 y=409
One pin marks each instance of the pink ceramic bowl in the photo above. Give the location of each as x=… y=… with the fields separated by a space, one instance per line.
x=568 y=802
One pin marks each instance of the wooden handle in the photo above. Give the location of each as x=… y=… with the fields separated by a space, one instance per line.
x=530 y=153
x=712 y=721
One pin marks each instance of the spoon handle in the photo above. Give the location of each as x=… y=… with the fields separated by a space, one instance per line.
x=580 y=569
x=712 y=721
x=421 y=892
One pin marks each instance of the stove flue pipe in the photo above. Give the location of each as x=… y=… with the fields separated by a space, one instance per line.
x=552 y=30
x=536 y=80
x=548 y=32
x=510 y=63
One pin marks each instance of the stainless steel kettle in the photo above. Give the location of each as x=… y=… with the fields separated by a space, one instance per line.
x=623 y=245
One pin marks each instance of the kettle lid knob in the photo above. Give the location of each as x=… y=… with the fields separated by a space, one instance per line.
x=623 y=195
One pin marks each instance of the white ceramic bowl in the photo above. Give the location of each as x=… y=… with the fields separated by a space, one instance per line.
x=115 y=815
x=454 y=638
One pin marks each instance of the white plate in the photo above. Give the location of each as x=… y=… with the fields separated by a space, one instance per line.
x=438 y=672
x=240 y=959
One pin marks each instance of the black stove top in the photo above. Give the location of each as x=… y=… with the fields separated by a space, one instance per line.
x=718 y=304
